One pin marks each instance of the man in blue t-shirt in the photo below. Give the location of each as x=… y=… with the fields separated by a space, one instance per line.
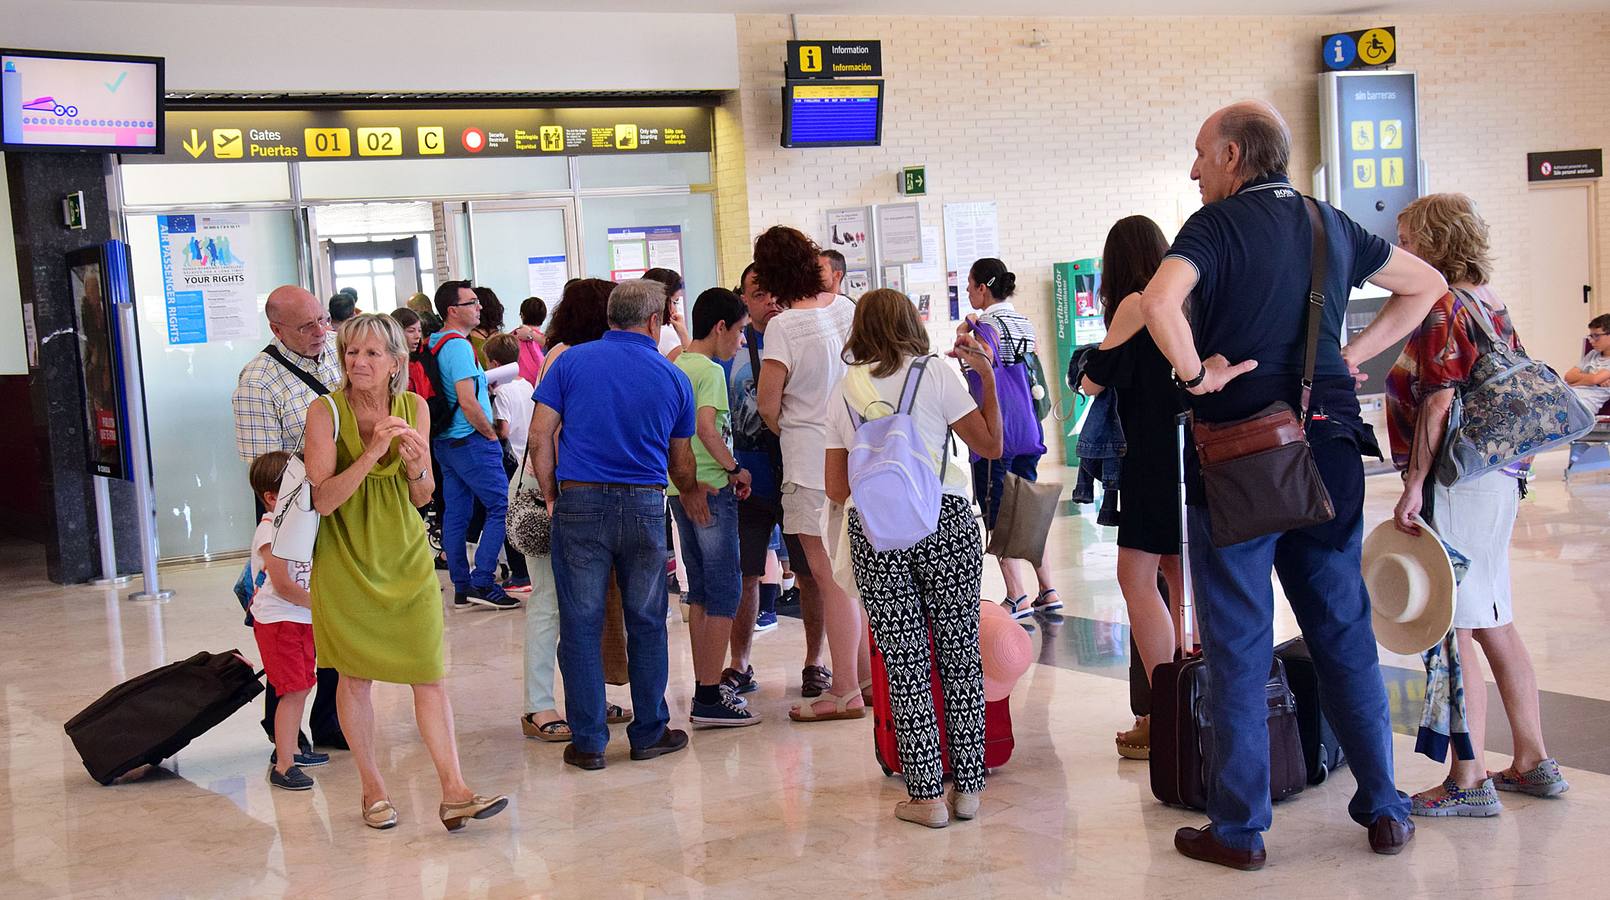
x=628 y=414
x=470 y=455
x=1246 y=255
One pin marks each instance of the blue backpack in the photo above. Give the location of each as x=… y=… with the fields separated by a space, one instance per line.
x=246 y=588
x=892 y=478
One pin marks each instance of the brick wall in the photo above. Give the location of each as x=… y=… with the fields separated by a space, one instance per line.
x=1099 y=124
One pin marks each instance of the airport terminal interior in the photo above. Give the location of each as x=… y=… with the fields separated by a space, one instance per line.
x=168 y=165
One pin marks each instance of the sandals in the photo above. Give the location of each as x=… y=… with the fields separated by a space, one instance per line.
x=1019 y=607
x=456 y=815
x=815 y=681
x=380 y=815
x=547 y=731
x=866 y=691
x=1136 y=743
x=806 y=712
x=1048 y=606
x=615 y=714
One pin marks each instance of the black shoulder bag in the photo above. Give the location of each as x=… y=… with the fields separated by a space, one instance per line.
x=306 y=377
x=1259 y=473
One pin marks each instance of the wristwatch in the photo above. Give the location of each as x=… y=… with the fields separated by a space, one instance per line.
x=733 y=472
x=1187 y=385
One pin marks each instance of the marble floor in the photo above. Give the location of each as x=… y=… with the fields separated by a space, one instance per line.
x=779 y=810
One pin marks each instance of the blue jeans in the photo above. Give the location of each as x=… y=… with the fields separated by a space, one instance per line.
x=597 y=530
x=1236 y=608
x=472 y=470
x=710 y=555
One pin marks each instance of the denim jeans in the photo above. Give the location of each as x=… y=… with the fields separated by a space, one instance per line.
x=710 y=555
x=597 y=530
x=1236 y=607
x=472 y=468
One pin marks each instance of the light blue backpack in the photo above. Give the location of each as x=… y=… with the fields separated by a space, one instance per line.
x=892 y=478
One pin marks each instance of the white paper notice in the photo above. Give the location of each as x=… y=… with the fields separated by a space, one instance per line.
x=546 y=276
x=856 y=283
x=899 y=234
x=971 y=234
x=628 y=255
x=847 y=233
x=927 y=272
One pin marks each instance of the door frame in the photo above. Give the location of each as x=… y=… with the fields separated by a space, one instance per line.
x=575 y=266
x=1598 y=304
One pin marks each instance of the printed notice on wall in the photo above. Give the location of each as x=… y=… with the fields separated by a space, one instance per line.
x=635 y=250
x=546 y=275
x=847 y=231
x=206 y=282
x=971 y=234
x=899 y=234
x=928 y=271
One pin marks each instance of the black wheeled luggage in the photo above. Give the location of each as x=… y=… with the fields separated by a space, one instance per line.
x=153 y=716
x=1322 y=753
x=1182 y=730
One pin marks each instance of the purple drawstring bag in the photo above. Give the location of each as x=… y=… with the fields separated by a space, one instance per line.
x=1021 y=435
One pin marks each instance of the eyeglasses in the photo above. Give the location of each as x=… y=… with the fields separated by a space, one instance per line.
x=311 y=329
x=475 y=302
x=1595 y=335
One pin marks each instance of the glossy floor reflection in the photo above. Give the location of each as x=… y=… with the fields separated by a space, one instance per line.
x=779 y=810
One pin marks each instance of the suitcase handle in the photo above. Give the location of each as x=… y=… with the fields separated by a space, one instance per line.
x=1183 y=611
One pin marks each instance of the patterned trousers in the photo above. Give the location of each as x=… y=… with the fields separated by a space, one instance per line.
x=932 y=586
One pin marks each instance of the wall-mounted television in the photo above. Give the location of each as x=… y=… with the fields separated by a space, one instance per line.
x=833 y=113
x=80 y=101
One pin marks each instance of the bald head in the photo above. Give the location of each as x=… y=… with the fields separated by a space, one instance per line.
x=1238 y=143
x=297 y=318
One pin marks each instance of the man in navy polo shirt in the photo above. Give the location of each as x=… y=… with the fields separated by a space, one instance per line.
x=628 y=415
x=1246 y=254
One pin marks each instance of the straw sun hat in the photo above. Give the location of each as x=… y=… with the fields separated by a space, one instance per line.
x=1411 y=583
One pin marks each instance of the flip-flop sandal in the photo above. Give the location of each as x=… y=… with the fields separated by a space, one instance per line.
x=1043 y=605
x=806 y=712
x=547 y=731
x=614 y=714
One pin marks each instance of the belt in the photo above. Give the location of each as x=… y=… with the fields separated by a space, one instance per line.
x=567 y=485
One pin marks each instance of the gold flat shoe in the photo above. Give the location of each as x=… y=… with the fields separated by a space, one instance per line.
x=457 y=815
x=380 y=814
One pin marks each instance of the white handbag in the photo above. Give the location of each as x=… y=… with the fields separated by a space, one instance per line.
x=296 y=522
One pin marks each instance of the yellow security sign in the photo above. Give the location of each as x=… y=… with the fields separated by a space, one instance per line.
x=553 y=138
x=227 y=144
x=626 y=137
x=810 y=58
x=1375 y=46
x=327 y=141
x=380 y=142
x=432 y=140
x=1392 y=171
x=1364 y=135
x=1391 y=134
x=1363 y=173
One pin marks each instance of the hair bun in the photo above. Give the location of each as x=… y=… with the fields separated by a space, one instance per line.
x=1005 y=284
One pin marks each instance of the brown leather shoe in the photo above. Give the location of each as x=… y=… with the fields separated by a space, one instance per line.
x=1388 y=836
x=582 y=760
x=1199 y=843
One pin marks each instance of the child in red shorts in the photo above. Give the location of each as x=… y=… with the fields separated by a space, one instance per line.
x=282 y=612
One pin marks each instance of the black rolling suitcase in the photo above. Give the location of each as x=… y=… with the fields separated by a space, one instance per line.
x=153 y=716
x=1181 y=728
x=1322 y=753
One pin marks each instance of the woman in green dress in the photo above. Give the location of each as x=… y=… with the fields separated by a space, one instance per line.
x=377 y=606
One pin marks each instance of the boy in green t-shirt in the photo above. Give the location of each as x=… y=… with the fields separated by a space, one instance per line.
x=710 y=553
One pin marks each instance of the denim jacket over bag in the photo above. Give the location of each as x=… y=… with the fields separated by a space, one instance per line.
x=1101 y=444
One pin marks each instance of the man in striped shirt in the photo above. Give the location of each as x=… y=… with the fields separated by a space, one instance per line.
x=270 y=403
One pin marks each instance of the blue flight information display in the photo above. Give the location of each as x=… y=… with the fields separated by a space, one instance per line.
x=836 y=114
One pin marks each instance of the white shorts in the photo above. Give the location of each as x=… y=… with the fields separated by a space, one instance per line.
x=1477 y=518
x=804 y=510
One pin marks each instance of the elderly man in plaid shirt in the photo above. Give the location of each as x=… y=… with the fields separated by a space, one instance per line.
x=270 y=402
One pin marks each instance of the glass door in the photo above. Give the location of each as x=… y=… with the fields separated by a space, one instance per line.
x=520 y=248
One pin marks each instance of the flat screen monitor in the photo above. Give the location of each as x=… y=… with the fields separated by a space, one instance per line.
x=80 y=101
x=833 y=113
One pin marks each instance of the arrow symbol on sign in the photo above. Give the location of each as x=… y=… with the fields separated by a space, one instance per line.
x=195 y=146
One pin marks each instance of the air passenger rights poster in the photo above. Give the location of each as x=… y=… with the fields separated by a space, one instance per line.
x=206 y=283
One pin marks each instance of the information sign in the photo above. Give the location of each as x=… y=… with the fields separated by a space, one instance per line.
x=834 y=59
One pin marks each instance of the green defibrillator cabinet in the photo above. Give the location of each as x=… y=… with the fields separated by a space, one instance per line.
x=1078 y=315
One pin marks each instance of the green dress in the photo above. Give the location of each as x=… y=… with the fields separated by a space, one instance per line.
x=377 y=606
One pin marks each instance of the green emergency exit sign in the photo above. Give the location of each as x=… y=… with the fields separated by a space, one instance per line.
x=914 y=180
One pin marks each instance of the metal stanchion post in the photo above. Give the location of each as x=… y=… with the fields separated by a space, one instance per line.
x=103 y=526
x=139 y=445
